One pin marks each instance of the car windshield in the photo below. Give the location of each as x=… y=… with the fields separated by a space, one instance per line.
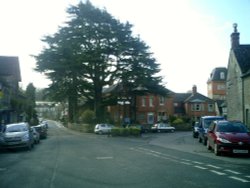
x=16 y=128
x=207 y=122
x=232 y=128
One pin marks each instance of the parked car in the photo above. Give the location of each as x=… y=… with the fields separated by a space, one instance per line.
x=17 y=135
x=162 y=127
x=204 y=123
x=228 y=136
x=103 y=128
x=36 y=135
x=45 y=123
x=195 y=129
x=42 y=130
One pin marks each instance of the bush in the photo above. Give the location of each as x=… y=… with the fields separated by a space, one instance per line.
x=131 y=131
x=183 y=127
x=178 y=121
x=88 y=116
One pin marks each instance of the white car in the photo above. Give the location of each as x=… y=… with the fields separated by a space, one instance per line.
x=103 y=128
x=162 y=127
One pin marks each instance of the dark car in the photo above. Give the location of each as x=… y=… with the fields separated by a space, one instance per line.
x=195 y=130
x=204 y=123
x=229 y=137
x=42 y=130
x=16 y=135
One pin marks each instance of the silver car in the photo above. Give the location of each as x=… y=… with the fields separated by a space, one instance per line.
x=16 y=135
x=103 y=128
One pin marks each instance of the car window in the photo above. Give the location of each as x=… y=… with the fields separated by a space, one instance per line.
x=232 y=127
x=16 y=128
x=207 y=122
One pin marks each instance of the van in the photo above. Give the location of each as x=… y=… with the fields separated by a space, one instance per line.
x=204 y=123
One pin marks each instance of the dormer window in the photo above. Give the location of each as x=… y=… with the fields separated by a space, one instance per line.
x=222 y=75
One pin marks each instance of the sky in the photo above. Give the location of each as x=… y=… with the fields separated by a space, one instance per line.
x=188 y=38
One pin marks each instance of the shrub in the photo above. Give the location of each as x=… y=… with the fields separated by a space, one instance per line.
x=178 y=121
x=131 y=131
x=88 y=116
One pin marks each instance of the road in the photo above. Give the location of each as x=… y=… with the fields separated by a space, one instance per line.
x=68 y=159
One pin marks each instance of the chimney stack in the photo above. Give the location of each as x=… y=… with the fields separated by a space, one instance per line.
x=235 y=37
x=194 y=89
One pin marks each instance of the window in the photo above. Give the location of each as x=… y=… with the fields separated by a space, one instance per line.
x=197 y=107
x=221 y=87
x=151 y=101
x=143 y=101
x=210 y=107
x=222 y=75
x=161 y=100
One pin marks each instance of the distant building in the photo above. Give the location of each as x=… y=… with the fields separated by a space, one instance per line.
x=152 y=108
x=216 y=89
x=238 y=80
x=193 y=105
x=9 y=85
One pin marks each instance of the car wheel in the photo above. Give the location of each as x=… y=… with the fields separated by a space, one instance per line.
x=29 y=147
x=216 y=151
x=200 y=140
x=158 y=131
x=204 y=142
x=100 y=132
x=208 y=145
x=172 y=131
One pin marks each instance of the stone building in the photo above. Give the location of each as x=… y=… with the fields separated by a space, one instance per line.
x=238 y=80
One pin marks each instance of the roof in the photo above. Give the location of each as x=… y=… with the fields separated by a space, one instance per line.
x=181 y=97
x=190 y=97
x=197 y=97
x=242 y=54
x=216 y=74
x=9 y=65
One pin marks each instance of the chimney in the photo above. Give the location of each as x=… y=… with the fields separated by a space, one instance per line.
x=194 y=89
x=235 y=37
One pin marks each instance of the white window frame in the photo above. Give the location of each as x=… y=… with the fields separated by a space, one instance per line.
x=161 y=100
x=151 y=101
x=143 y=101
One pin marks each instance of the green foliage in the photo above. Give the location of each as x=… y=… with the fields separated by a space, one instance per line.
x=130 y=131
x=30 y=104
x=183 y=127
x=177 y=121
x=91 y=51
x=88 y=116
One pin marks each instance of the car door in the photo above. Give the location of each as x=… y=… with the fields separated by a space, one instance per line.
x=211 y=136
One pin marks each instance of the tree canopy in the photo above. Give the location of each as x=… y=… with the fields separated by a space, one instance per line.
x=93 y=50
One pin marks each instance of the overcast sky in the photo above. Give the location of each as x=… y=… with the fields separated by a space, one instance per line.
x=189 y=38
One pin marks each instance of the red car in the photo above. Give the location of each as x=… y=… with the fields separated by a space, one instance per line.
x=228 y=137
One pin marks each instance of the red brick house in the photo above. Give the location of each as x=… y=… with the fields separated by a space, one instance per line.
x=151 y=108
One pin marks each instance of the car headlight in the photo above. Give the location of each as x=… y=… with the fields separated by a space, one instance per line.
x=223 y=140
x=25 y=137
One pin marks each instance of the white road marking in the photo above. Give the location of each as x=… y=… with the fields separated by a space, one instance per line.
x=233 y=172
x=247 y=176
x=239 y=179
x=196 y=162
x=200 y=167
x=103 y=158
x=218 y=173
x=214 y=166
